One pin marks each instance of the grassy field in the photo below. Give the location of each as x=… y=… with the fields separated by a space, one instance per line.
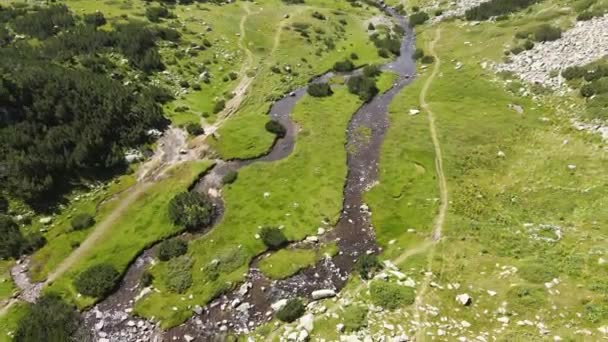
x=9 y=322
x=287 y=262
x=143 y=223
x=278 y=43
x=7 y=287
x=297 y=193
x=514 y=180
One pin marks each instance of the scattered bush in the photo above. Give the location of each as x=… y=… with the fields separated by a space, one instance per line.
x=82 y=221
x=364 y=87
x=195 y=129
x=418 y=18
x=344 y=66
x=354 y=56
x=371 y=71
x=97 y=281
x=547 y=33
x=230 y=177
x=495 y=8
x=528 y=45
x=49 y=319
x=319 y=90
x=418 y=54
x=172 y=248
x=587 y=90
x=371 y=27
x=438 y=12
x=318 y=15
x=517 y=50
x=191 y=210
x=293 y=310
x=95 y=19
x=179 y=274
x=574 y=72
x=273 y=237
x=391 y=296
x=354 y=318
x=276 y=128
x=367 y=265
x=597 y=312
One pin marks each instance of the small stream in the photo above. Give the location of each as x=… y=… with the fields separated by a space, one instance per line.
x=249 y=305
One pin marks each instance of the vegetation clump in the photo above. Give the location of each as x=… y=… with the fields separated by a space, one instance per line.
x=418 y=18
x=391 y=296
x=364 y=87
x=293 y=309
x=547 y=33
x=344 y=66
x=355 y=318
x=82 y=221
x=191 y=210
x=367 y=265
x=230 y=177
x=273 y=237
x=49 y=319
x=13 y=243
x=97 y=281
x=172 y=248
x=495 y=8
x=195 y=129
x=178 y=277
x=319 y=90
x=276 y=128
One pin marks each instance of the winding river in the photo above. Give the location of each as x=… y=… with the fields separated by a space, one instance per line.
x=249 y=305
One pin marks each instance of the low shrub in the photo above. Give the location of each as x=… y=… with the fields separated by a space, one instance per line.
x=597 y=312
x=418 y=18
x=526 y=297
x=371 y=71
x=547 y=33
x=319 y=90
x=367 y=265
x=354 y=318
x=195 y=129
x=179 y=274
x=344 y=66
x=49 y=319
x=82 y=221
x=97 y=281
x=391 y=296
x=276 y=128
x=364 y=87
x=230 y=177
x=146 y=279
x=172 y=248
x=219 y=106
x=418 y=54
x=538 y=272
x=191 y=210
x=293 y=310
x=11 y=244
x=528 y=45
x=273 y=237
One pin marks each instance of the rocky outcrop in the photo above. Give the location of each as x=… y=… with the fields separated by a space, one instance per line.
x=586 y=42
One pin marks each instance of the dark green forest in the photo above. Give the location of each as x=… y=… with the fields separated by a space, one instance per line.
x=68 y=110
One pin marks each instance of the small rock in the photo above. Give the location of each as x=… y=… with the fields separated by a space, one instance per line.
x=188 y=338
x=278 y=305
x=464 y=299
x=46 y=220
x=322 y=294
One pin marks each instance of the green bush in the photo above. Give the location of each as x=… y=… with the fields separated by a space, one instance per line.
x=49 y=319
x=367 y=265
x=495 y=8
x=195 y=129
x=155 y=13
x=371 y=27
x=172 y=248
x=364 y=87
x=191 y=210
x=179 y=274
x=371 y=71
x=587 y=90
x=547 y=33
x=293 y=310
x=391 y=296
x=95 y=19
x=597 y=312
x=418 y=54
x=230 y=177
x=319 y=90
x=344 y=66
x=418 y=18
x=354 y=318
x=12 y=241
x=219 y=106
x=276 y=128
x=574 y=72
x=97 y=281
x=3 y=205
x=517 y=50
x=82 y=221
x=273 y=237
x=528 y=45
x=354 y=56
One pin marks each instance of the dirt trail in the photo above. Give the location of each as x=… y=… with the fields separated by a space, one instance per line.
x=442 y=184
x=241 y=89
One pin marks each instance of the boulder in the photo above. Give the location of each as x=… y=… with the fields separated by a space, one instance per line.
x=307 y=322
x=278 y=305
x=464 y=299
x=46 y=220
x=322 y=294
